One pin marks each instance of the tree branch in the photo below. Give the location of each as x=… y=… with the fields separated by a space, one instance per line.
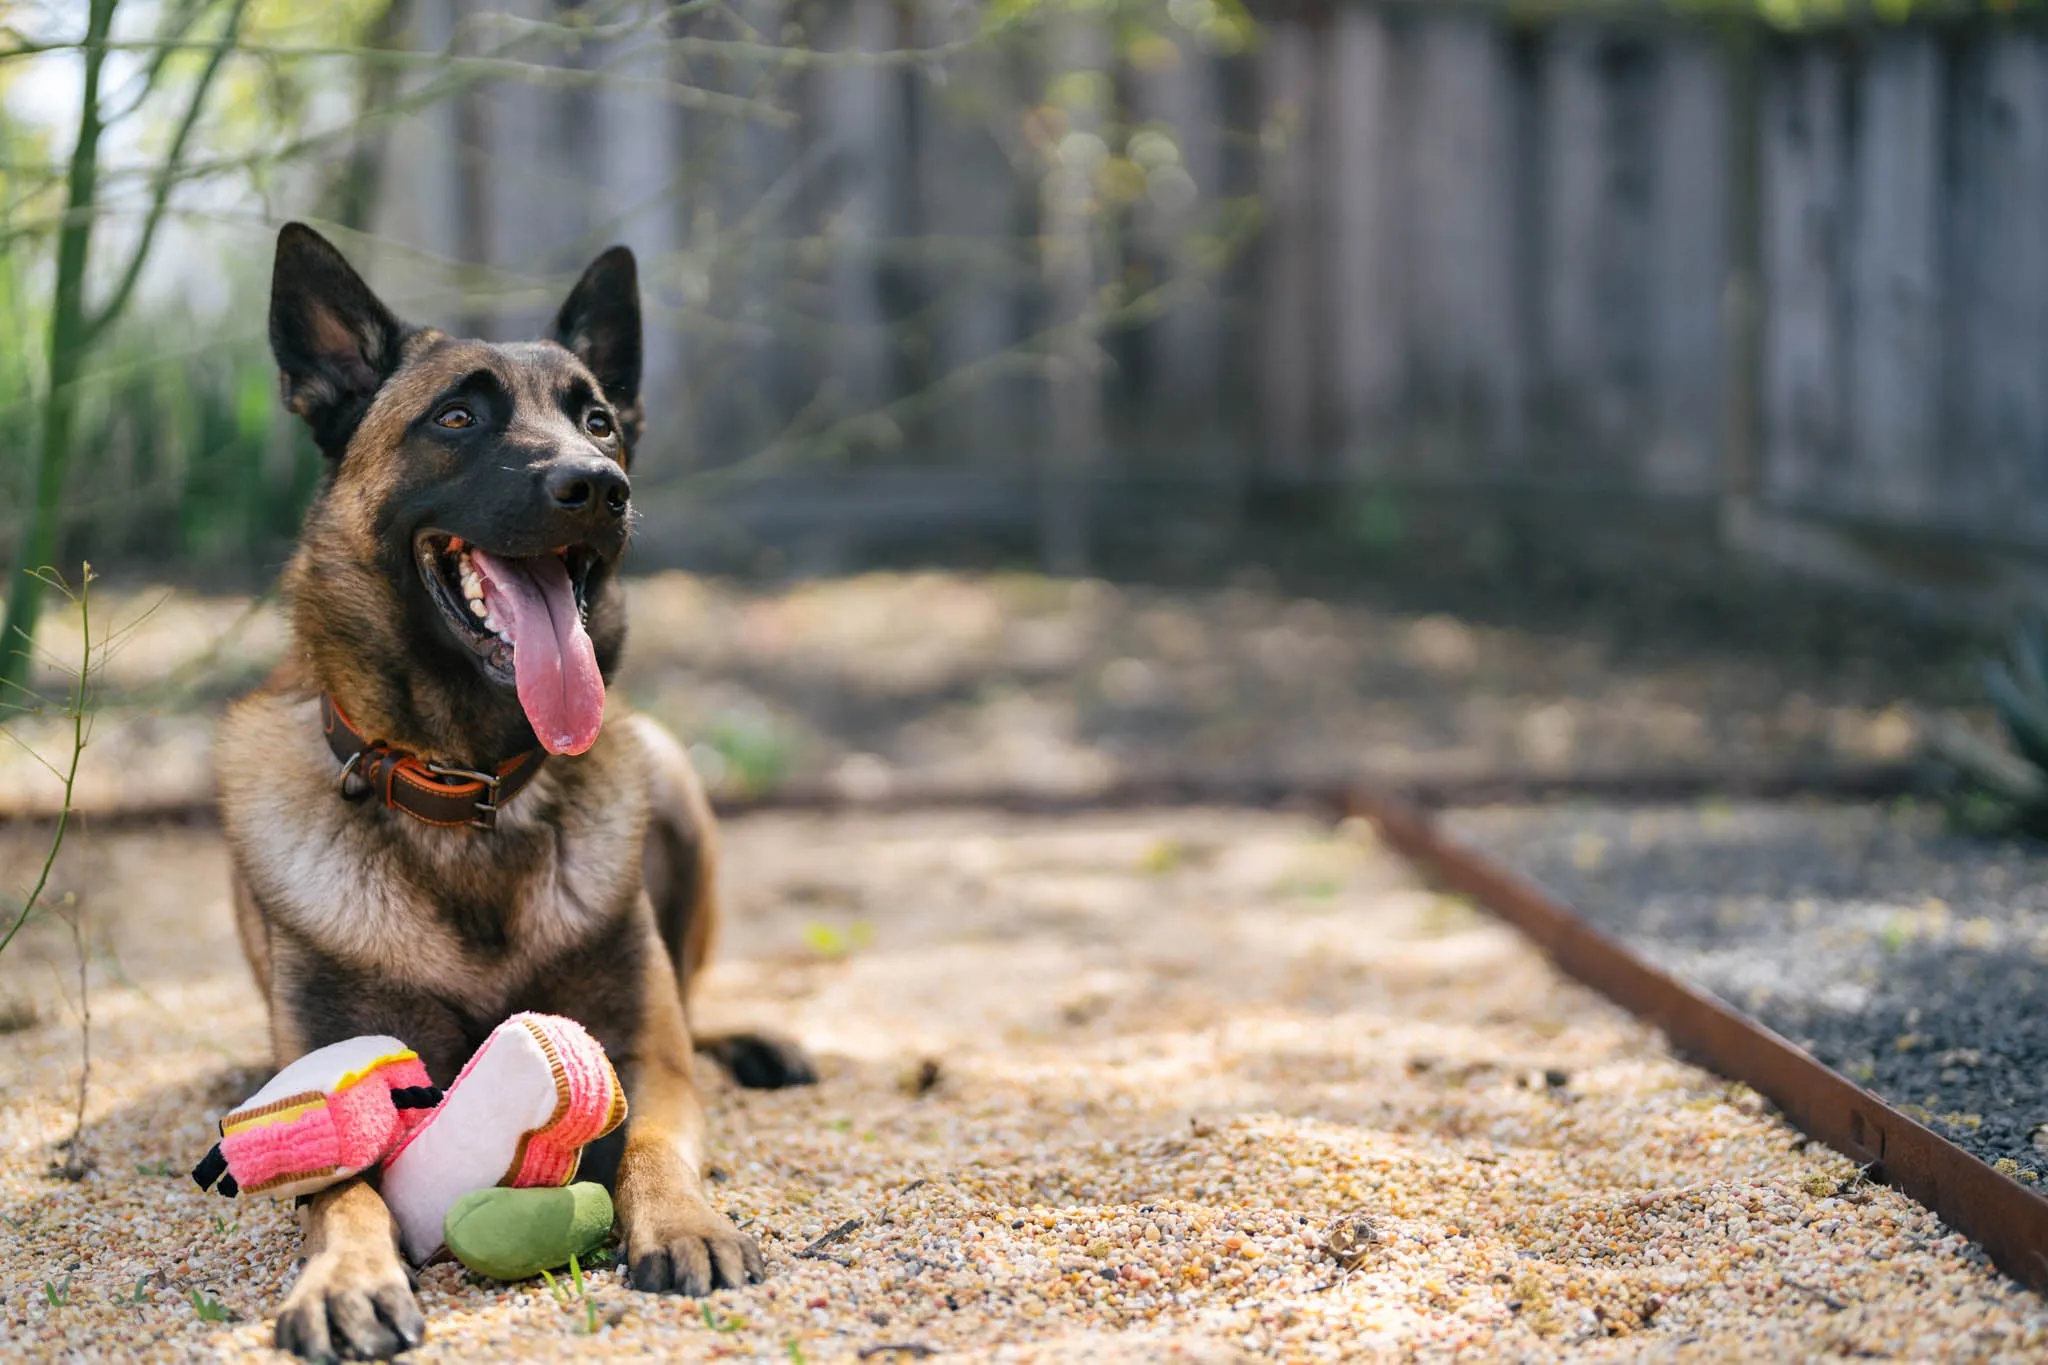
x=116 y=301
x=167 y=42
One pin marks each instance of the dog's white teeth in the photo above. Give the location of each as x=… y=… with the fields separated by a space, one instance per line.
x=478 y=608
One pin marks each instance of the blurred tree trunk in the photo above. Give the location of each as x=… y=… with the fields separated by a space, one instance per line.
x=38 y=545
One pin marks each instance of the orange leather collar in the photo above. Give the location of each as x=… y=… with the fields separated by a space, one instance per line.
x=436 y=793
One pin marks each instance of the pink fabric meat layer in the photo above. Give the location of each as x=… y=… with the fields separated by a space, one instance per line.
x=592 y=1102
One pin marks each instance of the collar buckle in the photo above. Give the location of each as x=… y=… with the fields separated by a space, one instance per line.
x=486 y=816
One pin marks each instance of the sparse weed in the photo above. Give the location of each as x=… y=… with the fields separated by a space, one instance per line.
x=728 y=1322
x=831 y=942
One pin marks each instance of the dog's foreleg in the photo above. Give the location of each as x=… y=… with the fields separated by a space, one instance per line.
x=675 y=1241
x=354 y=1299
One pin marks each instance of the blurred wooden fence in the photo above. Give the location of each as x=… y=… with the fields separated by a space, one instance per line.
x=1802 y=280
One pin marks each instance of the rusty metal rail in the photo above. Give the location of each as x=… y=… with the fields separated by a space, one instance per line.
x=2006 y=1218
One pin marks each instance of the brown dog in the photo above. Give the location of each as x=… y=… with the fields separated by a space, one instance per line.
x=434 y=822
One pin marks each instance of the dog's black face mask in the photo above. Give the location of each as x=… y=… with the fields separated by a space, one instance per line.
x=478 y=501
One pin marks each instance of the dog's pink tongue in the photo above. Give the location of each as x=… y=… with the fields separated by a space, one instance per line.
x=553 y=660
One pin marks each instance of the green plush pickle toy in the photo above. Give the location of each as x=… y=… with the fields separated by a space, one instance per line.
x=515 y=1234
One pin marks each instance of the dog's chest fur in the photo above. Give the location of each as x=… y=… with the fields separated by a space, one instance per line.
x=461 y=915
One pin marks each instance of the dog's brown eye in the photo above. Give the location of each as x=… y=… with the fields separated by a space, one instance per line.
x=598 y=424
x=455 y=417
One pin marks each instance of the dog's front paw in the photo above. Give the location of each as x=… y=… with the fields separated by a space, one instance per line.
x=351 y=1304
x=691 y=1249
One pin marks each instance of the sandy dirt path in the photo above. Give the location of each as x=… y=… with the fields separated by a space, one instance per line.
x=1190 y=1085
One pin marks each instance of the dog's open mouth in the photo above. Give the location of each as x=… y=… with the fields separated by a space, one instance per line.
x=523 y=616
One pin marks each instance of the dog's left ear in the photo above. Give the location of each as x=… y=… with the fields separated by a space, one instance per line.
x=600 y=322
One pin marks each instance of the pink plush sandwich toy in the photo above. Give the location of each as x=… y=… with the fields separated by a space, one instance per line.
x=538 y=1090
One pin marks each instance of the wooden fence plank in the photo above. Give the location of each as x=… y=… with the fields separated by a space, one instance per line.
x=1892 y=317
x=1176 y=413
x=971 y=203
x=1069 y=235
x=1997 y=224
x=1689 y=265
x=1292 y=285
x=1467 y=359
x=1804 y=195
x=863 y=108
x=1369 y=319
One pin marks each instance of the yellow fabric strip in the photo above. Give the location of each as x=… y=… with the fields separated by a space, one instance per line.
x=352 y=1077
x=282 y=1112
x=290 y=1107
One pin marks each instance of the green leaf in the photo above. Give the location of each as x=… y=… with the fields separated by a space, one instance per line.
x=1985 y=765
x=2026 y=719
x=2030 y=656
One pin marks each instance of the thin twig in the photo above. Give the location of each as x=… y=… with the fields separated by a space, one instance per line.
x=816 y=1250
x=78 y=736
x=76 y=1163
x=1829 y=1299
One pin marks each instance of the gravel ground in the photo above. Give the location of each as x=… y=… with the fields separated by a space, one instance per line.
x=1912 y=960
x=978 y=678
x=1191 y=1085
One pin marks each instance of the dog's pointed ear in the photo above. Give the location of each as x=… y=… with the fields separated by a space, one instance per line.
x=334 y=340
x=600 y=322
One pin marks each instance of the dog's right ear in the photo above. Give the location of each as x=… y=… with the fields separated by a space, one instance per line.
x=334 y=340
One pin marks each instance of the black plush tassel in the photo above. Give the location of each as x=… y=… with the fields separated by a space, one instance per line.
x=213 y=1167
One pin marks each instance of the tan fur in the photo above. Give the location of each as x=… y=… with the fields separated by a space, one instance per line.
x=673 y=786
x=354 y=1279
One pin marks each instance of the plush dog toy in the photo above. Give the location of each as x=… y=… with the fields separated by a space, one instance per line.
x=519 y=1115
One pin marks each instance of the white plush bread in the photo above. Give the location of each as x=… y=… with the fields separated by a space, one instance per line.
x=536 y=1091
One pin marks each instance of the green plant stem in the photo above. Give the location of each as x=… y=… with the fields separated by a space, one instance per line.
x=71 y=772
x=60 y=405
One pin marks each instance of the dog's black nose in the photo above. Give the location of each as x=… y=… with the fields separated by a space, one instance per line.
x=591 y=487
